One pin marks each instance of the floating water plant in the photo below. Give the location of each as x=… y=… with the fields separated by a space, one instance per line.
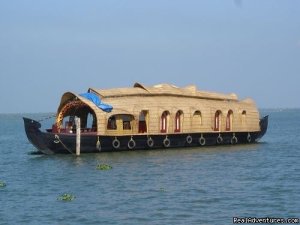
x=103 y=167
x=2 y=184
x=162 y=190
x=66 y=197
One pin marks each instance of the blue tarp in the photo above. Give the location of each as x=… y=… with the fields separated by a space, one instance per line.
x=96 y=100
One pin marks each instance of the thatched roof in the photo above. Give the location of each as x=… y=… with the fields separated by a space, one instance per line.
x=162 y=89
x=69 y=96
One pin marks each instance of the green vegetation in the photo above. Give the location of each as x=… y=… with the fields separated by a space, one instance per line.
x=103 y=167
x=2 y=184
x=66 y=197
x=162 y=190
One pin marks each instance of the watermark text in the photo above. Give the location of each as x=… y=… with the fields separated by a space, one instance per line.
x=266 y=220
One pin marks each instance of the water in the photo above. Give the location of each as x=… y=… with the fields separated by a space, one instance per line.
x=184 y=186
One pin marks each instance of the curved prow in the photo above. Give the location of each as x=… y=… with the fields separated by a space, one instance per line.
x=31 y=124
x=34 y=135
x=263 y=123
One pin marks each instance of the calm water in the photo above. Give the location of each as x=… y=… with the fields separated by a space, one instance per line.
x=187 y=186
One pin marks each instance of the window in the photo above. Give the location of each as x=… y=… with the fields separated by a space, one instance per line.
x=164 y=122
x=126 y=121
x=112 y=124
x=120 y=122
x=197 y=120
x=244 y=113
x=229 y=120
x=217 y=120
x=178 y=120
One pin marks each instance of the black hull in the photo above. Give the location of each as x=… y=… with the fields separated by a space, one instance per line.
x=50 y=143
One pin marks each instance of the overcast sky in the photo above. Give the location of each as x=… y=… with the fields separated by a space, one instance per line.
x=249 y=47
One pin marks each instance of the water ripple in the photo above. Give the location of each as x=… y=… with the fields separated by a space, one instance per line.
x=181 y=186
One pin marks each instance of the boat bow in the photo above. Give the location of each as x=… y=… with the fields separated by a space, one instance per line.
x=35 y=136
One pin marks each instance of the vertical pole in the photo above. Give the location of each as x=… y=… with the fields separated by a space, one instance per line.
x=77 y=121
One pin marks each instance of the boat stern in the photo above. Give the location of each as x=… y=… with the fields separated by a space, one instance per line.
x=263 y=123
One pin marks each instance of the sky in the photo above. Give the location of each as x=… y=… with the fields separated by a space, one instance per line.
x=247 y=47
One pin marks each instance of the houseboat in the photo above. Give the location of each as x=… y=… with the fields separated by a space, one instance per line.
x=148 y=117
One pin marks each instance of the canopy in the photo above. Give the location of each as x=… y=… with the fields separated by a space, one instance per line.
x=96 y=100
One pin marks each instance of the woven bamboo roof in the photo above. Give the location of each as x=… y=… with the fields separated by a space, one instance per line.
x=69 y=96
x=162 y=89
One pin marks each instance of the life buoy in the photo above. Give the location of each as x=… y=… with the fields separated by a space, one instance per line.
x=116 y=143
x=234 y=140
x=56 y=139
x=219 y=139
x=166 y=142
x=150 y=142
x=189 y=139
x=202 y=140
x=249 y=139
x=131 y=144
